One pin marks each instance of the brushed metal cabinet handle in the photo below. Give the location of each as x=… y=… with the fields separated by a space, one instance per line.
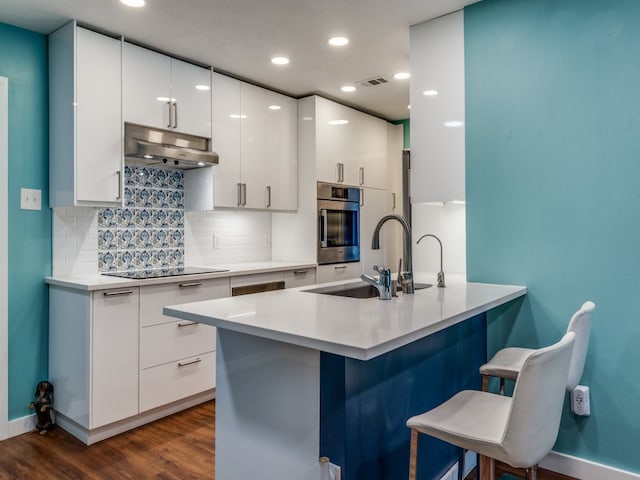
x=340 y=267
x=324 y=228
x=393 y=198
x=362 y=197
x=170 y=113
x=119 y=173
x=117 y=294
x=361 y=175
x=239 y=194
x=175 y=114
x=190 y=362
x=189 y=284
x=244 y=194
x=186 y=324
x=300 y=272
x=268 y=195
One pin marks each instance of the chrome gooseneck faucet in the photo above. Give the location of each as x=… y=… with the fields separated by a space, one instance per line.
x=404 y=278
x=441 y=272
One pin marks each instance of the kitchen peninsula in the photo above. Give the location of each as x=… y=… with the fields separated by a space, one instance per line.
x=302 y=374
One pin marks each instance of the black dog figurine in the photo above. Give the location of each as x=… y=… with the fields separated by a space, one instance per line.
x=43 y=405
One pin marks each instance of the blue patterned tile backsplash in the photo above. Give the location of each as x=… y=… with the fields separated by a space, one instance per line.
x=148 y=232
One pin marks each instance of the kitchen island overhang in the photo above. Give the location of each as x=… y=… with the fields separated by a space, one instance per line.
x=301 y=375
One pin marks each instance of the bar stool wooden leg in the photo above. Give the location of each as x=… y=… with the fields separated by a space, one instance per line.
x=413 y=456
x=485 y=383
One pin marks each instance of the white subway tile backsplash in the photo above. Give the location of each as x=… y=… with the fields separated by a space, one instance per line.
x=241 y=237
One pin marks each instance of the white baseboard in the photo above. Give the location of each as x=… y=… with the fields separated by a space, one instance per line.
x=584 y=469
x=22 y=425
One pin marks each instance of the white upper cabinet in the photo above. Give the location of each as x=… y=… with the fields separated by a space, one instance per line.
x=85 y=149
x=163 y=92
x=437 y=110
x=255 y=135
x=226 y=140
x=351 y=146
x=281 y=151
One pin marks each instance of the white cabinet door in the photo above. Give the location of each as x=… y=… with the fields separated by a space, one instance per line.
x=85 y=149
x=227 y=119
x=98 y=137
x=252 y=146
x=146 y=86
x=191 y=89
x=281 y=153
x=334 y=129
x=338 y=272
x=114 y=356
x=437 y=121
x=370 y=156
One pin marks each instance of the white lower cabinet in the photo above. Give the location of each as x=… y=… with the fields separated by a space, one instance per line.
x=338 y=272
x=300 y=277
x=177 y=358
x=173 y=381
x=114 y=356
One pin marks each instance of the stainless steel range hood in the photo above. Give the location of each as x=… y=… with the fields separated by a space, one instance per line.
x=155 y=147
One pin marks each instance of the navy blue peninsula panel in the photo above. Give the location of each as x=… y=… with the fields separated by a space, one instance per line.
x=364 y=404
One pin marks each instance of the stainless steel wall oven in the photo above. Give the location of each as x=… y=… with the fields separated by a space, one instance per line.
x=338 y=223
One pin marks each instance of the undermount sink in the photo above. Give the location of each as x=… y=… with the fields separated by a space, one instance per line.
x=356 y=290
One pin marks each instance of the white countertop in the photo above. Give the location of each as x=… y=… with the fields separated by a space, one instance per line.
x=102 y=282
x=356 y=328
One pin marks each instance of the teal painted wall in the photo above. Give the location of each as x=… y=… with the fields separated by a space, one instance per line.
x=23 y=59
x=553 y=192
x=406 y=137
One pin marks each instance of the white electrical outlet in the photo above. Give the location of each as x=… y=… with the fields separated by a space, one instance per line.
x=30 y=199
x=580 y=400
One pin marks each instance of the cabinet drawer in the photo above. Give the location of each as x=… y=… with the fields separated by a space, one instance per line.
x=335 y=273
x=174 y=341
x=300 y=278
x=256 y=278
x=176 y=380
x=154 y=298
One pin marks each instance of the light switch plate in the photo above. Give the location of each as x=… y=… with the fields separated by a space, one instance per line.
x=30 y=199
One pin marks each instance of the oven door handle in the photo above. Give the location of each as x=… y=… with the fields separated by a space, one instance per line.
x=324 y=225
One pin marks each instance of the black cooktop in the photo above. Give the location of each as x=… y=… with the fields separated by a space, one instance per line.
x=163 y=272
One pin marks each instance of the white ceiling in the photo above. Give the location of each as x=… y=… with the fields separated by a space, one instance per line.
x=240 y=36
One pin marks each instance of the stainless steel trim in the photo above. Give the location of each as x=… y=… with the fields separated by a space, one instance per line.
x=268 y=195
x=362 y=197
x=119 y=172
x=325 y=227
x=190 y=362
x=189 y=284
x=186 y=324
x=175 y=114
x=119 y=293
x=153 y=146
x=361 y=174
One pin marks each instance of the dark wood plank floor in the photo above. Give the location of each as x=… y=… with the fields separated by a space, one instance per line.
x=177 y=447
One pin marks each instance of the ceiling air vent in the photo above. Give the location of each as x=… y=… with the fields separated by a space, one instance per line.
x=373 y=82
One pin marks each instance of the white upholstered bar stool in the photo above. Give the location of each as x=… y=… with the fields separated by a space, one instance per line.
x=506 y=363
x=519 y=430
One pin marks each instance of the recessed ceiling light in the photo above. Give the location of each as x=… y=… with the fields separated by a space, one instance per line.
x=401 y=75
x=279 y=60
x=204 y=88
x=237 y=115
x=133 y=3
x=338 y=122
x=453 y=124
x=430 y=93
x=274 y=107
x=348 y=88
x=338 y=41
